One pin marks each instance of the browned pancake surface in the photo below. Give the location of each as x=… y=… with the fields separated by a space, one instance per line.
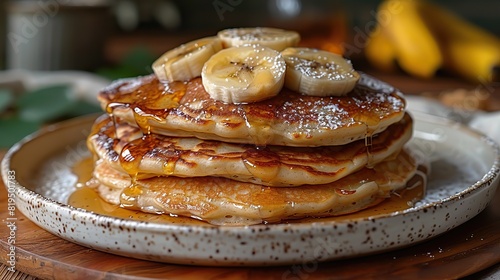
x=125 y=148
x=223 y=201
x=185 y=109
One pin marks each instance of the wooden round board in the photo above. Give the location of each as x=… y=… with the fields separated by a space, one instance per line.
x=463 y=251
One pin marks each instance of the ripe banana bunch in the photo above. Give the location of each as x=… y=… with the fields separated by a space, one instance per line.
x=422 y=37
x=468 y=50
x=245 y=65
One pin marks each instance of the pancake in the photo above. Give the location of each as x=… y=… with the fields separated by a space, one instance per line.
x=222 y=201
x=290 y=119
x=126 y=149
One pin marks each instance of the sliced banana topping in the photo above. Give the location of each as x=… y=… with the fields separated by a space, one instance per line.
x=274 y=38
x=317 y=72
x=186 y=61
x=244 y=74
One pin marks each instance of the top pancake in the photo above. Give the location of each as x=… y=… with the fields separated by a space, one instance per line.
x=288 y=119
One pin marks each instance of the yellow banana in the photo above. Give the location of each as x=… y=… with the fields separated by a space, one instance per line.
x=417 y=50
x=474 y=61
x=380 y=51
x=318 y=73
x=468 y=50
x=244 y=74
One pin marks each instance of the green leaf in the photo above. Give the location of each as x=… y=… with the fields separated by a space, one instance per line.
x=13 y=130
x=6 y=98
x=117 y=73
x=82 y=107
x=45 y=104
x=139 y=59
x=136 y=62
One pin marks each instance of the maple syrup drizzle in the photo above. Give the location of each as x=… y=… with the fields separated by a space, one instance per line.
x=129 y=197
x=369 y=147
x=148 y=101
x=147 y=105
x=259 y=161
x=258 y=130
x=169 y=165
x=109 y=110
x=142 y=120
x=262 y=163
x=371 y=120
x=130 y=160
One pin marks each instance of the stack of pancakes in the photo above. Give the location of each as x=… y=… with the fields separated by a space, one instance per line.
x=168 y=148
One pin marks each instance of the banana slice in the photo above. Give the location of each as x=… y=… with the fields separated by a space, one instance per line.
x=244 y=74
x=274 y=38
x=317 y=72
x=186 y=61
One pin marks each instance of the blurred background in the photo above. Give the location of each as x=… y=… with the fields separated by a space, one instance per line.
x=48 y=43
x=95 y=34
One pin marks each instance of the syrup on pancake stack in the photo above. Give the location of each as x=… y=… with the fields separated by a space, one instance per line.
x=246 y=128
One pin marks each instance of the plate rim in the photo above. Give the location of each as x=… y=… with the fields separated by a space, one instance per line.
x=487 y=179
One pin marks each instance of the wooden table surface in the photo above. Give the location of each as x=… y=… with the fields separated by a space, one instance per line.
x=471 y=250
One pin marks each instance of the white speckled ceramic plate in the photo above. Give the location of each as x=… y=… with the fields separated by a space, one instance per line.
x=465 y=175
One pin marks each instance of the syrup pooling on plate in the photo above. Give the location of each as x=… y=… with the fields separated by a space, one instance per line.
x=87 y=198
x=83 y=170
x=397 y=202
